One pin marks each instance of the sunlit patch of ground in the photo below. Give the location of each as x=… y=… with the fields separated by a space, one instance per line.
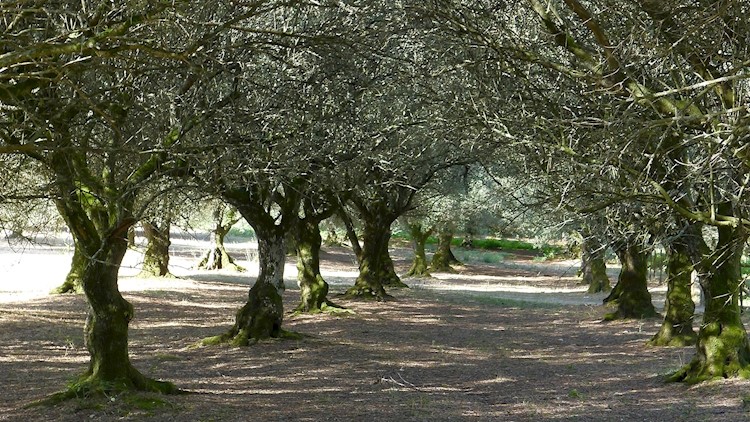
x=432 y=355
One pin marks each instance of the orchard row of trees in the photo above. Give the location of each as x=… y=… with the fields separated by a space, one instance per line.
x=624 y=120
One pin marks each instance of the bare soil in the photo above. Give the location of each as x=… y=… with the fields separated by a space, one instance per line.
x=442 y=351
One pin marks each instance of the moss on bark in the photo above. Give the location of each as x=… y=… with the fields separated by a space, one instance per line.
x=677 y=328
x=73 y=282
x=593 y=267
x=722 y=350
x=375 y=265
x=312 y=285
x=156 y=257
x=263 y=313
x=630 y=295
x=443 y=259
x=419 y=239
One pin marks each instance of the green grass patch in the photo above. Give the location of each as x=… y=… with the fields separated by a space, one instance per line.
x=485 y=300
x=479 y=256
x=242 y=232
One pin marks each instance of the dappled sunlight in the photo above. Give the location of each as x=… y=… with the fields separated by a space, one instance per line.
x=453 y=354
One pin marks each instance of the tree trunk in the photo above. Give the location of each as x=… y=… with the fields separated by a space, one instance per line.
x=677 y=329
x=217 y=257
x=419 y=238
x=73 y=282
x=369 y=283
x=156 y=257
x=723 y=350
x=352 y=235
x=388 y=276
x=313 y=288
x=262 y=315
x=593 y=267
x=106 y=329
x=631 y=295
x=443 y=257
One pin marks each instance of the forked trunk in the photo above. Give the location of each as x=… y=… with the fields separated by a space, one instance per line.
x=156 y=257
x=106 y=330
x=722 y=350
x=593 y=267
x=217 y=257
x=369 y=283
x=73 y=282
x=443 y=257
x=313 y=288
x=262 y=315
x=677 y=329
x=419 y=239
x=631 y=295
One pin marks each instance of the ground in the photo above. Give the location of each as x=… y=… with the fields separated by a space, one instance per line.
x=511 y=341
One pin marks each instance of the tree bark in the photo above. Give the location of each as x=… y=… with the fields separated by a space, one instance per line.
x=106 y=330
x=312 y=285
x=677 y=329
x=443 y=257
x=73 y=282
x=217 y=257
x=722 y=350
x=593 y=267
x=156 y=257
x=263 y=313
x=631 y=295
x=419 y=239
x=352 y=235
x=369 y=283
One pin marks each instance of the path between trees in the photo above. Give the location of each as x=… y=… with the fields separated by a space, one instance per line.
x=433 y=354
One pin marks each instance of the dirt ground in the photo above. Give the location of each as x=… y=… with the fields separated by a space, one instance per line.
x=453 y=348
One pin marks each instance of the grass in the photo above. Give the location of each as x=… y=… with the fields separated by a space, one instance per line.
x=494 y=244
x=486 y=300
x=487 y=257
x=242 y=232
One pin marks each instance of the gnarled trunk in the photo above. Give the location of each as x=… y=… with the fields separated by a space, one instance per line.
x=419 y=239
x=156 y=257
x=372 y=268
x=217 y=257
x=677 y=329
x=593 y=267
x=443 y=257
x=73 y=282
x=630 y=295
x=722 y=350
x=106 y=329
x=313 y=288
x=263 y=313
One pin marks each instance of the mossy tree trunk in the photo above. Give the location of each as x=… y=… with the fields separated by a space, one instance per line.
x=262 y=315
x=313 y=287
x=217 y=257
x=419 y=238
x=100 y=233
x=630 y=295
x=372 y=266
x=593 y=267
x=677 y=329
x=156 y=257
x=73 y=282
x=443 y=257
x=106 y=330
x=388 y=276
x=722 y=350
